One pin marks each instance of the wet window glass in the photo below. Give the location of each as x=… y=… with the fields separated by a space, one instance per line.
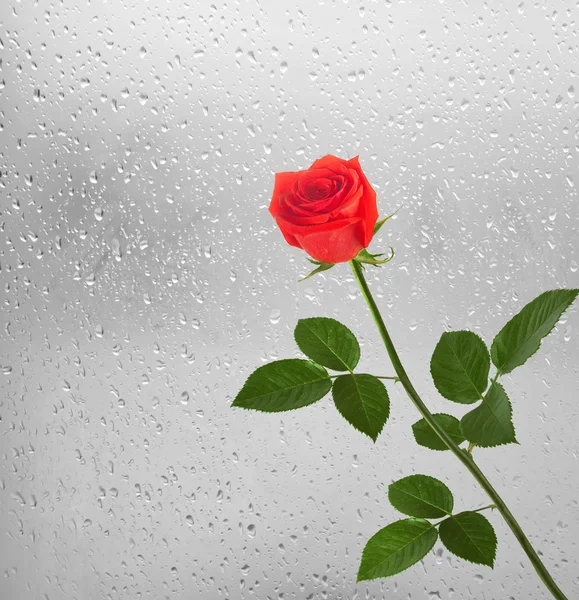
x=144 y=279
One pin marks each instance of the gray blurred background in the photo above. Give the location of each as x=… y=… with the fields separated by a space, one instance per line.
x=143 y=280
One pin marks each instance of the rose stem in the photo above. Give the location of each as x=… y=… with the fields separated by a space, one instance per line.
x=465 y=458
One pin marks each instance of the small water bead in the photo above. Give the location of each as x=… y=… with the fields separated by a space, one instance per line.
x=116 y=249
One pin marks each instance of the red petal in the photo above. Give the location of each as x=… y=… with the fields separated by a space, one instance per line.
x=368 y=202
x=283 y=184
x=326 y=161
x=334 y=242
x=289 y=238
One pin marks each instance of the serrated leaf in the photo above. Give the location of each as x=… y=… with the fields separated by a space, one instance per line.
x=396 y=547
x=469 y=535
x=421 y=496
x=328 y=342
x=284 y=385
x=363 y=401
x=460 y=366
x=490 y=424
x=521 y=337
x=425 y=435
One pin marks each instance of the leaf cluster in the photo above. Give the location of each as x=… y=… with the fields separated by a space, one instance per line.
x=293 y=383
x=460 y=368
x=394 y=548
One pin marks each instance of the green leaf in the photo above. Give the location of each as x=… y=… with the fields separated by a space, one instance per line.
x=490 y=424
x=322 y=266
x=425 y=435
x=421 y=496
x=521 y=337
x=328 y=342
x=469 y=535
x=460 y=366
x=396 y=547
x=284 y=385
x=363 y=401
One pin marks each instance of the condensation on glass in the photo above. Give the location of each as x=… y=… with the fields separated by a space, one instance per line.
x=143 y=279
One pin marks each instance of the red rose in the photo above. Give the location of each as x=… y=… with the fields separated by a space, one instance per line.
x=328 y=210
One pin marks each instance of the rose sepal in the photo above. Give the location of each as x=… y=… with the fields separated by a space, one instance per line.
x=322 y=266
x=379 y=224
x=366 y=257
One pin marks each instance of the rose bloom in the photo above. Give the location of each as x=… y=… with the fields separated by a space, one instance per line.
x=328 y=210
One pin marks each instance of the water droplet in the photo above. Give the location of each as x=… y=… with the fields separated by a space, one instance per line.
x=275 y=316
x=116 y=249
x=19 y=498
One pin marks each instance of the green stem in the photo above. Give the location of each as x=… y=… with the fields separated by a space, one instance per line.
x=465 y=458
